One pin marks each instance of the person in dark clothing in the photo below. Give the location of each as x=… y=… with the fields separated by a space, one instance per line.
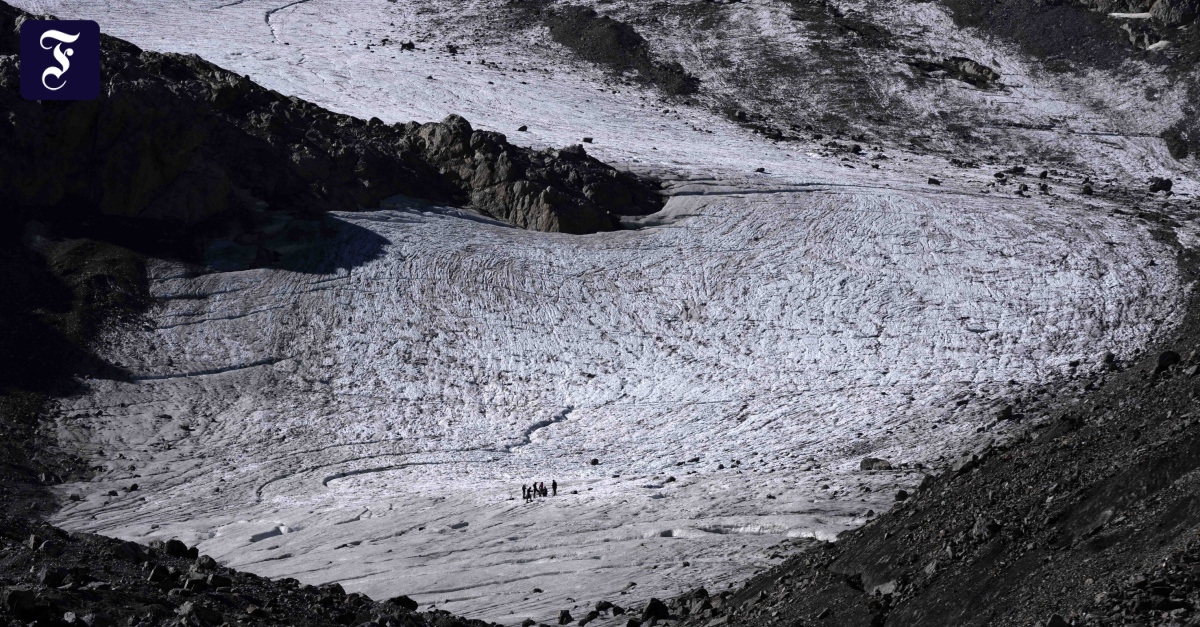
x=553 y=488
x=524 y=492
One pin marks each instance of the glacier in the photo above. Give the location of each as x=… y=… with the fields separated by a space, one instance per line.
x=369 y=414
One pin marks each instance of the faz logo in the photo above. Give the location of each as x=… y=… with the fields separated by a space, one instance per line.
x=60 y=60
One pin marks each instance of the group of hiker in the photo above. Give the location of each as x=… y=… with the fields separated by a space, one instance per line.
x=528 y=492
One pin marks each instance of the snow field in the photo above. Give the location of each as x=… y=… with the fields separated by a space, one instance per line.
x=339 y=421
x=369 y=408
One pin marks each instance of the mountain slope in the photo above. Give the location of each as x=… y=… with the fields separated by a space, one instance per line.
x=366 y=407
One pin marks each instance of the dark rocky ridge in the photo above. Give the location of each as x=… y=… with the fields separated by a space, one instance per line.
x=51 y=577
x=177 y=139
x=617 y=46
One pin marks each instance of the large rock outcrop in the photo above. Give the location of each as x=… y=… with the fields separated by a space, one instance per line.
x=174 y=138
x=1175 y=12
x=616 y=45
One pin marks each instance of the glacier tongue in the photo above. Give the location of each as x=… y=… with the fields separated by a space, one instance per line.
x=341 y=419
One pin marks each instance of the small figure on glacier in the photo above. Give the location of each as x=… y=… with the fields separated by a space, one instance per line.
x=553 y=487
x=542 y=488
x=524 y=492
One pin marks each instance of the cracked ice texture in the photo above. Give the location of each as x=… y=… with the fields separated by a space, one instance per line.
x=422 y=384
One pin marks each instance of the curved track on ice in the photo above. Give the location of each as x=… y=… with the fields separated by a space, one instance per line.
x=342 y=419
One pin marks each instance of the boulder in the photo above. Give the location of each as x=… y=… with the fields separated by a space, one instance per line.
x=195 y=582
x=971 y=71
x=1166 y=359
x=403 y=601
x=204 y=562
x=175 y=548
x=564 y=617
x=51 y=548
x=1160 y=184
x=698 y=604
x=1176 y=141
x=158 y=574
x=655 y=609
x=333 y=588
x=203 y=613
x=1057 y=621
x=874 y=463
x=52 y=576
x=885 y=589
x=964 y=463
x=18 y=601
x=985 y=529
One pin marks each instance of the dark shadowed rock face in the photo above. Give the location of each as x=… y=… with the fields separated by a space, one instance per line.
x=93 y=581
x=616 y=45
x=553 y=190
x=175 y=138
x=1175 y=12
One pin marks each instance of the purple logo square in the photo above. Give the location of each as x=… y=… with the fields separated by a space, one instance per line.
x=60 y=60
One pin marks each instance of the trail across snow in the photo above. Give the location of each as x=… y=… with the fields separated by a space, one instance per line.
x=343 y=419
